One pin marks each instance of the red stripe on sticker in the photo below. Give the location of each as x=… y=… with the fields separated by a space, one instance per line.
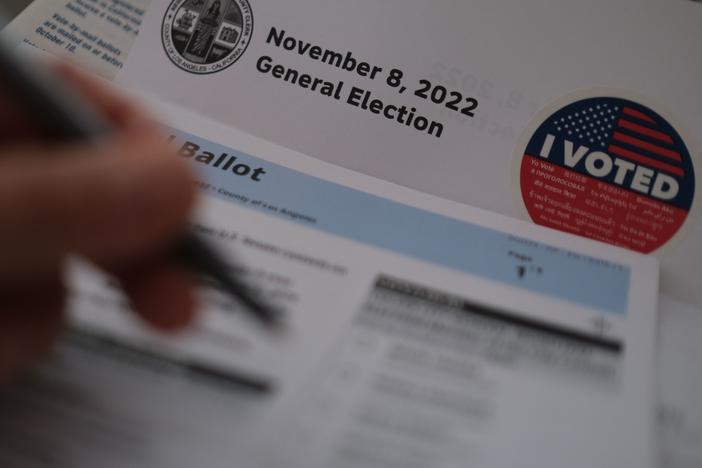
x=645 y=131
x=625 y=153
x=647 y=146
x=639 y=115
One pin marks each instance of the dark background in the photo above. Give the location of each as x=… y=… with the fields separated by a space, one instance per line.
x=11 y=8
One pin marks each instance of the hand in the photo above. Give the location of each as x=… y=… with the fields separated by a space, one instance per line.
x=120 y=204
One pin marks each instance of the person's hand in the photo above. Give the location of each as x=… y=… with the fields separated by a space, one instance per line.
x=120 y=204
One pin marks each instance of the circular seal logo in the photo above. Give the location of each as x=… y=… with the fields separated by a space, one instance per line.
x=607 y=168
x=206 y=36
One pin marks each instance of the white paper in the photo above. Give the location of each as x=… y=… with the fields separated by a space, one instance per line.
x=514 y=58
x=501 y=353
x=680 y=384
x=100 y=403
x=507 y=60
x=96 y=35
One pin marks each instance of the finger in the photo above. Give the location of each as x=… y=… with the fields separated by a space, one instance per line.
x=162 y=292
x=92 y=201
x=123 y=112
x=16 y=122
x=31 y=319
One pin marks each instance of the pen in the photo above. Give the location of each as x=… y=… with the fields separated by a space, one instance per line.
x=65 y=115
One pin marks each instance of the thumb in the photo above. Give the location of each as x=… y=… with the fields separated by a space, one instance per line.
x=112 y=202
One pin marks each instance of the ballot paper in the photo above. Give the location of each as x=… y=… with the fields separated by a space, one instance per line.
x=96 y=35
x=420 y=332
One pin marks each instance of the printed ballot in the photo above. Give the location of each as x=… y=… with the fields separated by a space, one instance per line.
x=419 y=330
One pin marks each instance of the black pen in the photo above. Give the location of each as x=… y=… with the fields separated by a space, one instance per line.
x=65 y=115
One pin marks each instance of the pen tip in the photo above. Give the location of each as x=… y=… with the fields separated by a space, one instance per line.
x=270 y=317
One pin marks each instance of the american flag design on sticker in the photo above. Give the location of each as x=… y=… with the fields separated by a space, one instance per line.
x=609 y=169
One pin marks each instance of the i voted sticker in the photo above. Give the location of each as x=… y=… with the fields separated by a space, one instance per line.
x=607 y=168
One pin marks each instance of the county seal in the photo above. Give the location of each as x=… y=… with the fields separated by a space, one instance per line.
x=206 y=36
